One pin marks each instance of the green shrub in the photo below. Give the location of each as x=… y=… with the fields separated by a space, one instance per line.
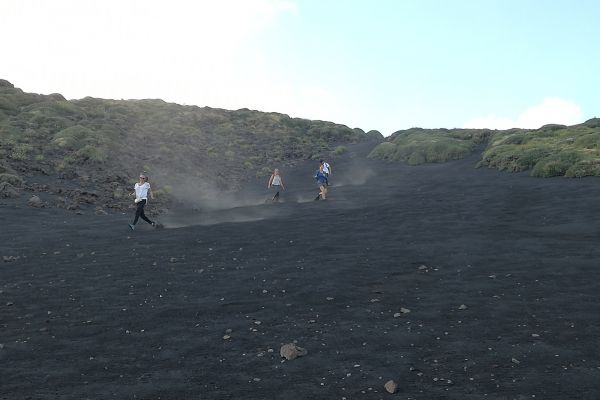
x=374 y=135
x=588 y=141
x=163 y=191
x=592 y=123
x=340 y=150
x=230 y=155
x=119 y=193
x=552 y=127
x=74 y=137
x=7 y=106
x=383 y=151
x=7 y=190
x=549 y=168
x=14 y=180
x=512 y=158
x=417 y=146
x=421 y=149
x=66 y=108
x=264 y=172
x=21 y=151
x=555 y=164
x=90 y=153
x=584 y=168
x=517 y=138
x=416 y=158
x=552 y=150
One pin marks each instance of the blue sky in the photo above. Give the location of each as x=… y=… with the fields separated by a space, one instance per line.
x=379 y=64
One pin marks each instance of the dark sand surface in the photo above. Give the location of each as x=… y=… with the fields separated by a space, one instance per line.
x=90 y=309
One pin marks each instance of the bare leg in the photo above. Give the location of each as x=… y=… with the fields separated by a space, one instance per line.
x=323 y=192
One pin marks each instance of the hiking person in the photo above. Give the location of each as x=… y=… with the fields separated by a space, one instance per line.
x=326 y=170
x=141 y=191
x=322 y=183
x=276 y=183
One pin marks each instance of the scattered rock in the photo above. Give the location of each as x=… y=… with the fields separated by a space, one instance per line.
x=515 y=361
x=391 y=386
x=100 y=211
x=8 y=191
x=290 y=351
x=35 y=201
x=402 y=311
x=462 y=307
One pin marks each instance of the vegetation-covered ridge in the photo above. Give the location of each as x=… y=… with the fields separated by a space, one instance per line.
x=418 y=146
x=552 y=150
x=99 y=144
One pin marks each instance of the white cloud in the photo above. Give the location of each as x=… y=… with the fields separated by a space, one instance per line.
x=196 y=52
x=206 y=53
x=552 y=110
x=490 y=122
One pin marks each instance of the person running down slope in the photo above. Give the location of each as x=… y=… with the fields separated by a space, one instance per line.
x=322 y=183
x=276 y=183
x=141 y=191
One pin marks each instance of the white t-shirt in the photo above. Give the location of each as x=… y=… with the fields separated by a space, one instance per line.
x=276 y=180
x=326 y=168
x=141 y=191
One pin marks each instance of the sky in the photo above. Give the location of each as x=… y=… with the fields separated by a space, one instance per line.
x=379 y=65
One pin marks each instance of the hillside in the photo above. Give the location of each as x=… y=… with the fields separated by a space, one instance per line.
x=453 y=282
x=457 y=283
x=91 y=150
x=552 y=150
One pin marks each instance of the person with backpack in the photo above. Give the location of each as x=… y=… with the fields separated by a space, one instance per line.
x=141 y=191
x=322 y=183
x=276 y=183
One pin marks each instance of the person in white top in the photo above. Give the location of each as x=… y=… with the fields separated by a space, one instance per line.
x=326 y=170
x=276 y=182
x=141 y=191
